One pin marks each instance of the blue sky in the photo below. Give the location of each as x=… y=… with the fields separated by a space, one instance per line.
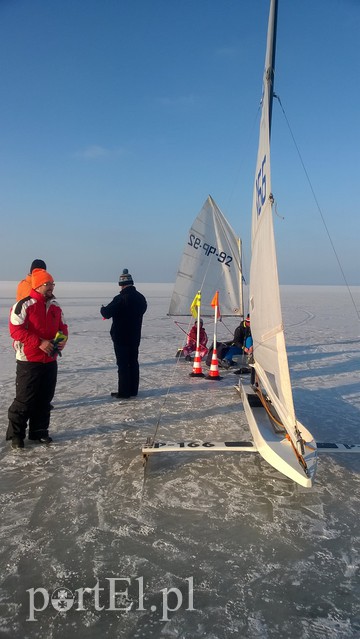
x=119 y=117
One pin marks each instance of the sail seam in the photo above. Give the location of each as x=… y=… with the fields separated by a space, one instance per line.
x=275 y=331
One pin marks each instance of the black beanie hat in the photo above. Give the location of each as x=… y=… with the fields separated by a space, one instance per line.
x=125 y=278
x=37 y=264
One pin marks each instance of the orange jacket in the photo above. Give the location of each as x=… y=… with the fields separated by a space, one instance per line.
x=24 y=288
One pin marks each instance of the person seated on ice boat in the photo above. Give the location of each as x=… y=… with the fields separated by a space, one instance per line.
x=191 y=341
x=242 y=332
x=248 y=352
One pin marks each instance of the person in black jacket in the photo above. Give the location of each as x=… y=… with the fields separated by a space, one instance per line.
x=242 y=332
x=127 y=310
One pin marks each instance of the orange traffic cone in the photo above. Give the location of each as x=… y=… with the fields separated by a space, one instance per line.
x=214 y=367
x=197 y=370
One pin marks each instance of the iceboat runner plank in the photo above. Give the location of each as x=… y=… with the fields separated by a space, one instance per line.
x=232 y=446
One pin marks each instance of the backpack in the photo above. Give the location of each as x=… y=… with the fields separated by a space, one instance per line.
x=221 y=349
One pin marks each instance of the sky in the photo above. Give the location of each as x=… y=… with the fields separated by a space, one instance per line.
x=119 y=117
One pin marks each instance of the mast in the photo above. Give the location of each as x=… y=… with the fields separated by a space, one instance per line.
x=271 y=49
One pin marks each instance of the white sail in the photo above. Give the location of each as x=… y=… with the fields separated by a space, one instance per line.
x=211 y=261
x=271 y=363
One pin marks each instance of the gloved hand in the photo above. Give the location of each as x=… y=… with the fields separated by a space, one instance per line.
x=58 y=339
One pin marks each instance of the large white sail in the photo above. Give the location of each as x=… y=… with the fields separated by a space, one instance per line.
x=271 y=363
x=211 y=261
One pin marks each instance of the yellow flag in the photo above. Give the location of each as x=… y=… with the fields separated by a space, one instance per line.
x=195 y=305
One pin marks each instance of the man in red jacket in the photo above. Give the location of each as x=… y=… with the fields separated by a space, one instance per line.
x=33 y=324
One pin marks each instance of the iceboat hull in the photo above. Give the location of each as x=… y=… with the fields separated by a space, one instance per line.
x=274 y=447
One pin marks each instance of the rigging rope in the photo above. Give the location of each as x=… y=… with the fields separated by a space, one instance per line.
x=225 y=326
x=151 y=441
x=319 y=209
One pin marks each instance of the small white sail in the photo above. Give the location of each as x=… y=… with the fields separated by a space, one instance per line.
x=211 y=261
x=271 y=363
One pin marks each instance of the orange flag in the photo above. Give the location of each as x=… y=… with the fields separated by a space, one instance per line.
x=215 y=302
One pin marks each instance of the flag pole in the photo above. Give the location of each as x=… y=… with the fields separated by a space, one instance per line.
x=214 y=366
x=195 y=310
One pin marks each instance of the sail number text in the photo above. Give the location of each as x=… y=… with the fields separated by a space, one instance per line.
x=260 y=186
x=221 y=256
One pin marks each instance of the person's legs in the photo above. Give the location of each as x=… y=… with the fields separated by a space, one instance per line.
x=221 y=349
x=122 y=360
x=19 y=410
x=233 y=350
x=203 y=350
x=39 y=414
x=189 y=348
x=134 y=373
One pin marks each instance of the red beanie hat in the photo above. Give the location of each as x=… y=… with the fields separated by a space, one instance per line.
x=39 y=276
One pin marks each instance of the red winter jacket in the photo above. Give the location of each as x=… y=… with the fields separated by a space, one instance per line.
x=193 y=336
x=32 y=320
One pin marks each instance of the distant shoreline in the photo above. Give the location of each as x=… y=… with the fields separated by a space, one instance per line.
x=107 y=290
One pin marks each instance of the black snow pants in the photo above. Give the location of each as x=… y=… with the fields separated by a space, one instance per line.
x=35 y=388
x=128 y=368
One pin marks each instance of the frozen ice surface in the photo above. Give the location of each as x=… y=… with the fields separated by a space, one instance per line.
x=267 y=558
